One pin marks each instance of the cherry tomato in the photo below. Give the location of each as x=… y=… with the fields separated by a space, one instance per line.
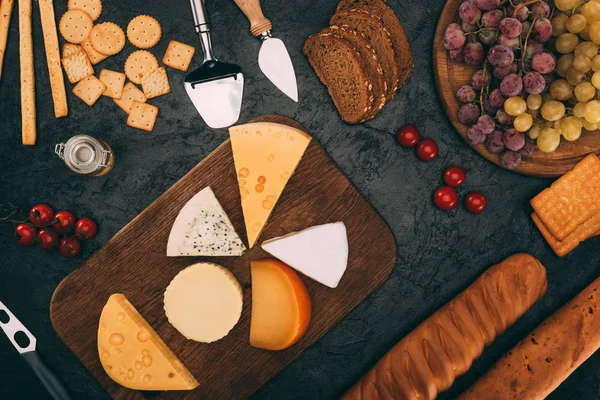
x=25 y=234
x=475 y=202
x=48 y=239
x=41 y=215
x=85 y=229
x=64 y=222
x=445 y=198
x=408 y=136
x=69 y=247
x=427 y=149
x=454 y=176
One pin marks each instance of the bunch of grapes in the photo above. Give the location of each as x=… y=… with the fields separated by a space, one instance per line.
x=511 y=40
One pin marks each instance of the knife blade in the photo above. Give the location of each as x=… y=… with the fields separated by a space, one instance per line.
x=13 y=327
x=273 y=58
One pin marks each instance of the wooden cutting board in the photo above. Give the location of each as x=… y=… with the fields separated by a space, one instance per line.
x=134 y=263
x=450 y=76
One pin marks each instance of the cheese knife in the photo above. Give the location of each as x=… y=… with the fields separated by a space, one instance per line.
x=273 y=58
x=13 y=327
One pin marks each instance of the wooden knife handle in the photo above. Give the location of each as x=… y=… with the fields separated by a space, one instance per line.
x=252 y=10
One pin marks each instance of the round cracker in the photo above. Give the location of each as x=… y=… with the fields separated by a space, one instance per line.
x=92 y=7
x=75 y=26
x=144 y=31
x=139 y=62
x=107 y=38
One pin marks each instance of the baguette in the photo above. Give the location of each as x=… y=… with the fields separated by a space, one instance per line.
x=429 y=358
x=6 y=7
x=539 y=363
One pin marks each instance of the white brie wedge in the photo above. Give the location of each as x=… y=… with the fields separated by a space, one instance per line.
x=319 y=252
x=202 y=228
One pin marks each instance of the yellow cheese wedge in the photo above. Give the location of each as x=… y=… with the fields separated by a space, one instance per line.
x=133 y=355
x=204 y=302
x=265 y=156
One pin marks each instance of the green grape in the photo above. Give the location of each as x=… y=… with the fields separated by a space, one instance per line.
x=591 y=12
x=594 y=32
x=587 y=49
x=566 y=43
x=546 y=97
x=582 y=64
x=574 y=77
x=523 y=122
x=592 y=112
x=596 y=79
x=534 y=102
x=566 y=5
x=552 y=110
x=560 y=89
x=576 y=23
x=535 y=130
x=559 y=24
x=585 y=33
x=515 y=106
x=564 y=63
x=596 y=63
x=579 y=110
x=585 y=91
x=571 y=128
x=548 y=140
x=588 y=125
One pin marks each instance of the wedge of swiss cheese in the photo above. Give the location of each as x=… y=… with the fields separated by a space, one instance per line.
x=265 y=156
x=133 y=355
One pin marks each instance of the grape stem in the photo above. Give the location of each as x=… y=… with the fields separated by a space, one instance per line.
x=524 y=47
x=517 y=7
x=484 y=86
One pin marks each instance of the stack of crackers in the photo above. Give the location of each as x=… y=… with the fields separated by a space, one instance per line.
x=568 y=212
x=90 y=43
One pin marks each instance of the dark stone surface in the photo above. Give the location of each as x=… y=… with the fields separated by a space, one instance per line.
x=440 y=253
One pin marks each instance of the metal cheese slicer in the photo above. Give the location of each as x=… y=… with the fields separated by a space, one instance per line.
x=215 y=88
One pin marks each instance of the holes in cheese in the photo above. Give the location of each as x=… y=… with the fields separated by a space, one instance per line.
x=281 y=306
x=133 y=355
x=204 y=302
x=265 y=156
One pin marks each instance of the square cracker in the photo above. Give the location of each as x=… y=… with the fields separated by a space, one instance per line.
x=156 y=83
x=130 y=94
x=588 y=229
x=142 y=116
x=571 y=200
x=114 y=82
x=178 y=55
x=69 y=49
x=92 y=54
x=89 y=90
x=77 y=66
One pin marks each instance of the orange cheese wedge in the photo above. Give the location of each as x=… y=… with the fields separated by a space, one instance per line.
x=280 y=306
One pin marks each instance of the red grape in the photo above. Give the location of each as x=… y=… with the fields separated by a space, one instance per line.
x=533 y=47
x=496 y=98
x=469 y=13
x=491 y=19
x=543 y=63
x=473 y=53
x=487 y=37
x=454 y=38
x=466 y=94
x=542 y=9
x=468 y=27
x=468 y=114
x=500 y=55
x=488 y=107
x=513 y=139
x=511 y=43
x=494 y=142
x=486 y=5
x=501 y=72
x=510 y=159
x=457 y=55
x=511 y=85
x=478 y=80
x=528 y=148
x=522 y=14
x=475 y=135
x=486 y=124
x=534 y=83
x=549 y=78
x=511 y=27
x=542 y=30
x=503 y=117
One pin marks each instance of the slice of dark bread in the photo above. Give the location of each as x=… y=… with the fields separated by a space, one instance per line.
x=372 y=28
x=339 y=67
x=369 y=60
x=378 y=8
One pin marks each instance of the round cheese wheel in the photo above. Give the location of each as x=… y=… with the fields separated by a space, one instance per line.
x=204 y=302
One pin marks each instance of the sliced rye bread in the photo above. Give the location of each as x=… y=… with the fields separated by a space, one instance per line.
x=378 y=8
x=339 y=67
x=372 y=28
x=369 y=61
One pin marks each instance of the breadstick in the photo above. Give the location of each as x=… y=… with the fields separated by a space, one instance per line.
x=27 y=76
x=429 y=358
x=547 y=356
x=6 y=7
x=57 y=83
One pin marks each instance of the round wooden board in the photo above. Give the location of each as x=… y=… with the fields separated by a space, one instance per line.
x=450 y=76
